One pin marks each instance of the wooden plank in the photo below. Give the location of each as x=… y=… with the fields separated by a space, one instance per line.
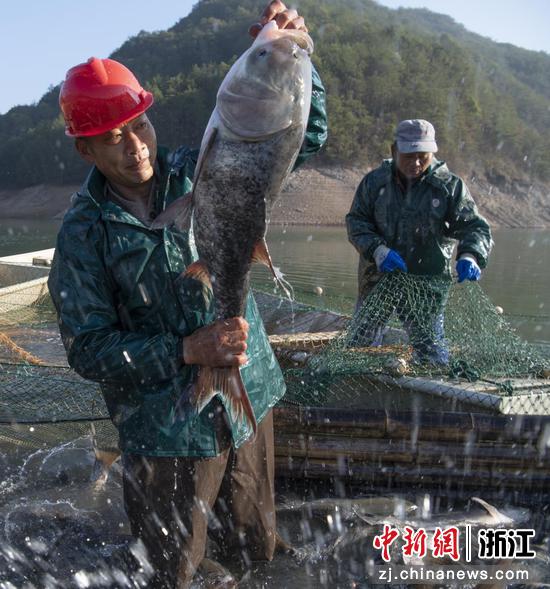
x=480 y=455
x=389 y=452
x=424 y=425
x=341 y=422
x=363 y=449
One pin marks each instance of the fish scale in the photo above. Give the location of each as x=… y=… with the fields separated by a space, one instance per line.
x=227 y=229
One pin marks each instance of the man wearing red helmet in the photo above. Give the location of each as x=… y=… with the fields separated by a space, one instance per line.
x=125 y=326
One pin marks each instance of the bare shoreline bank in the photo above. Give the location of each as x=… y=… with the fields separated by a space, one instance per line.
x=322 y=197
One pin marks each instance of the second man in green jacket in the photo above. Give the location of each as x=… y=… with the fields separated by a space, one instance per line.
x=407 y=216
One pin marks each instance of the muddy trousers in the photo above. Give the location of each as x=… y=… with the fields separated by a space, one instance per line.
x=172 y=503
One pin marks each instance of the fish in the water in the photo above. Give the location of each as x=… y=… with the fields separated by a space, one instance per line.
x=248 y=150
x=350 y=524
x=348 y=508
x=488 y=516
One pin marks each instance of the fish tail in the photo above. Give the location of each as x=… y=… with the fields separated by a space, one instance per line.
x=229 y=384
x=239 y=399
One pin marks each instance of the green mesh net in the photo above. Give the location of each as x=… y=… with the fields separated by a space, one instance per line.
x=426 y=326
x=415 y=343
x=42 y=401
x=418 y=342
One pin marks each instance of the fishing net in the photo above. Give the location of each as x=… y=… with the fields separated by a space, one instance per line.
x=42 y=401
x=426 y=347
x=414 y=340
x=425 y=385
x=420 y=341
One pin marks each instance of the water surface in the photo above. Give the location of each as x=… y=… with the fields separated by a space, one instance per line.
x=516 y=279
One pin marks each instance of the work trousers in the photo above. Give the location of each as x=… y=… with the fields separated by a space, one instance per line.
x=172 y=503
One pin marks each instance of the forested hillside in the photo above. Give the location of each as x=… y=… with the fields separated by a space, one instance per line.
x=490 y=102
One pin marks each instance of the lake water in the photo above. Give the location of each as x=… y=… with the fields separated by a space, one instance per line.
x=517 y=278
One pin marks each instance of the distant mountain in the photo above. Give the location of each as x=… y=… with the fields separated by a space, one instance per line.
x=490 y=102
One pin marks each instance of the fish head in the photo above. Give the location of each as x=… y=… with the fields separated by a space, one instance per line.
x=268 y=89
x=278 y=55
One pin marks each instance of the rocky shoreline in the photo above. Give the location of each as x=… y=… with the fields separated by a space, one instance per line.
x=322 y=196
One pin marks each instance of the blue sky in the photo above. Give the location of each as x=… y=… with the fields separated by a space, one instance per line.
x=521 y=22
x=40 y=40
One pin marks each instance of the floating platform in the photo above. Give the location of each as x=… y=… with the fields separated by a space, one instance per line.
x=455 y=453
x=23 y=280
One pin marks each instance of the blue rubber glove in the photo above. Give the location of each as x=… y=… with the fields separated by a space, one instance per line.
x=467 y=269
x=388 y=260
x=393 y=262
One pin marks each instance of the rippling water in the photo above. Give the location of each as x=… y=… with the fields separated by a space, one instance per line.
x=59 y=529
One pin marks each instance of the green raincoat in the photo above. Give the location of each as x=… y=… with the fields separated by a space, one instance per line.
x=122 y=317
x=420 y=224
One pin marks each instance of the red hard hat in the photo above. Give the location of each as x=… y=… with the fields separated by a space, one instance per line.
x=99 y=95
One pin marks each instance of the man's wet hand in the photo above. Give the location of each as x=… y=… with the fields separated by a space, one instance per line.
x=222 y=343
x=286 y=18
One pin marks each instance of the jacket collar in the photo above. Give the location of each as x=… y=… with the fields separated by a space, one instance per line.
x=439 y=175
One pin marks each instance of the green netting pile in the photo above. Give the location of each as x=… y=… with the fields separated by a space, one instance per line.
x=415 y=343
x=416 y=334
x=42 y=401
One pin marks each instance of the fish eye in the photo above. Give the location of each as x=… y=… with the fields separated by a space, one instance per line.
x=262 y=52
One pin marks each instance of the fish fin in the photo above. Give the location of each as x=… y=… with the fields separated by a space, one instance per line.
x=229 y=384
x=491 y=510
x=178 y=213
x=208 y=141
x=104 y=460
x=261 y=255
x=235 y=392
x=199 y=271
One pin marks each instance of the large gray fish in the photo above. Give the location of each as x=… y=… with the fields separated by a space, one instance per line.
x=247 y=152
